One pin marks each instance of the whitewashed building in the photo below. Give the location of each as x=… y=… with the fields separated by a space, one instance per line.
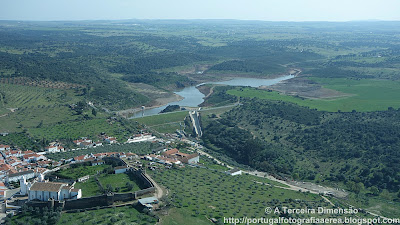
x=15 y=177
x=234 y=172
x=120 y=169
x=58 y=191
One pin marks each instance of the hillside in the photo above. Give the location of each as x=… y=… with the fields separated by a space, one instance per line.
x=294 y=141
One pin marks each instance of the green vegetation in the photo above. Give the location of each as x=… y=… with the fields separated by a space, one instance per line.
x=33 y=216
x=363 y=95
x=331 y=148
x=89 y=188
x=117 y=215
x=171 y=108
x=43 y=114
x=102 y=179
x=52 y=71
x=164 y=123
x=86 y=128
x=198 y=194
x=76 y=171
x=118 y=182
x=20 y=140
x=179 y=216
x=19 y=96
x=162 y=119
x=220 y=97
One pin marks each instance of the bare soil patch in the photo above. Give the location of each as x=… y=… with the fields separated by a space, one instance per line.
x=205 y=89
x=303 y=87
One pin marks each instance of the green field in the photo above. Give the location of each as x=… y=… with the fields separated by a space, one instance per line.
x=162 y=118
x=34 y=106
x=118 y=180
x=164 y=123
x=35 y=117
x=365 y=95
x=199 y=194
x=86 y=128
x=180 y=217
x=89 y=188
x=18 y=96
x=118 y=215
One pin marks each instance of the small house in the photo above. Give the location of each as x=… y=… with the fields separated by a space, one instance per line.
x=148 y=202
x=120 y=169
x=234 y=172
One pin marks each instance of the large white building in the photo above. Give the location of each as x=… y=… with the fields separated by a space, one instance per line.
x=58 y=191
x=15 y=177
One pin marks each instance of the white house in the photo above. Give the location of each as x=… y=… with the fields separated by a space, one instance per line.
x=4 y=147
x=34 y=157
x=97 y=162
x=234 y=172
x=188 y=158
x=140 y=138
x=110 y=140
x=148 y=202
x=53 y=149
x=15 y=177
x=58 y=191
x=84 y=178
x=120 y=169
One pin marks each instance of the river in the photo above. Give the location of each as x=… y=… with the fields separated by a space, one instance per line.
x=192 y=97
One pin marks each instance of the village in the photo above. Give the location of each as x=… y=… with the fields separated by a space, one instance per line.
x=27 y=177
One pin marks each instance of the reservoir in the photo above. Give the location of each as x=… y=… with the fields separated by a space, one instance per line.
x=192 y=97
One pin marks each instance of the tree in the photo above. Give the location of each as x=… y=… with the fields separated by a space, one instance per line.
x=94 y=112
x=129 y=186
x=110 y=188
x=374 y=190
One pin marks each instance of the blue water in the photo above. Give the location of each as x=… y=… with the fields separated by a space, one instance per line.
x=193 y=97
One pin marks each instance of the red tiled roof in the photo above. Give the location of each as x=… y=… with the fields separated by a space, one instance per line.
x=5 y=167
x=182 y=154
x=27 y=152
x=78 y=158
x=170 y=152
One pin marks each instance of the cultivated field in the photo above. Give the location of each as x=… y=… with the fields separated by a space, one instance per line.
x=364 y=95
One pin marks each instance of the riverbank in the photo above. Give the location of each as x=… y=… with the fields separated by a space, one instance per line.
x=156 y=103
x=193 y=96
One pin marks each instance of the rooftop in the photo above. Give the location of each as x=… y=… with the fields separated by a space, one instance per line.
x=49 y=186
x=21 y=173
x=149 y=200
x=170 y=152
x=120 y=167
